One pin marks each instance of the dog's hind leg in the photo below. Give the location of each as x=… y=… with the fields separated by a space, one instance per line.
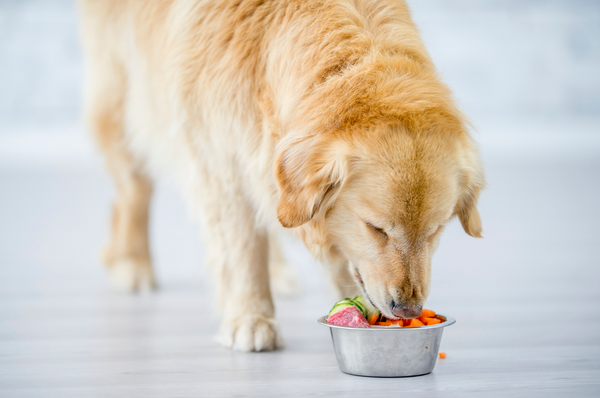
x=127 y=255
x=285 y=281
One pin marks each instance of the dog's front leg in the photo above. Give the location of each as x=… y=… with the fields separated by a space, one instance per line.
x=239 y=256
x=248 y=310
x=341 y=278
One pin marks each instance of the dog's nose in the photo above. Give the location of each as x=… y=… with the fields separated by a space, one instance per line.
x=406 y=311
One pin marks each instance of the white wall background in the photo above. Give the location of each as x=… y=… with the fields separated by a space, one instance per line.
x=530 y=60
x=525 y=71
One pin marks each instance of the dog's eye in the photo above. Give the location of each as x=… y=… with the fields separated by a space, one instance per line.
x=377 y=229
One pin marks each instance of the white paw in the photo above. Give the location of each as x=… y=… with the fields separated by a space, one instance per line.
x=251 y=333
x=131 y=275
x=285 y=280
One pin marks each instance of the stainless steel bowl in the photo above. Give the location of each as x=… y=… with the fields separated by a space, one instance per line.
x=381 y=351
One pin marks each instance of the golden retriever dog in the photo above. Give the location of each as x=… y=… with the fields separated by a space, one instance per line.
x=326 y=117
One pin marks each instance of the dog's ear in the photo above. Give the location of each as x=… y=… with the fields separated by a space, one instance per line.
x=309 y=172
x=469 y=217
x=466 y=208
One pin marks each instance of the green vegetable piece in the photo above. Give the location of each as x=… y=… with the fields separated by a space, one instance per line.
x=369 y=308
x=345 y=303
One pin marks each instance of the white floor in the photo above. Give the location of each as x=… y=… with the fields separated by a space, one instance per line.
x=526 y=298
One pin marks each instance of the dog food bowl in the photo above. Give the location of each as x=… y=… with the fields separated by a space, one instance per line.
x=381 y=351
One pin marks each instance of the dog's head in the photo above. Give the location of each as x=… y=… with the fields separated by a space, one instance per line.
x=382 y=198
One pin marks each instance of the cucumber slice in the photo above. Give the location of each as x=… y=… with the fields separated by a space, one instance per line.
x=369 y=308
x=360 y=307
x=345 y=303
x=339 y=307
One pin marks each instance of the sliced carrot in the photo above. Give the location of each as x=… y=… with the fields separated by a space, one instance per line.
x=427 y=313
x=415 y=323
x=427 y=317
x=442 y=355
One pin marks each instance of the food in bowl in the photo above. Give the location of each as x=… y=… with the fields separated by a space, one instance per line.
x=379 y=349
x=358 y=312
x=349 y=316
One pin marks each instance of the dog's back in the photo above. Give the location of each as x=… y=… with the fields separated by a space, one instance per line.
x=195 y=77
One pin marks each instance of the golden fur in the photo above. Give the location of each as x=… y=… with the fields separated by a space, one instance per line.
x=325 y=115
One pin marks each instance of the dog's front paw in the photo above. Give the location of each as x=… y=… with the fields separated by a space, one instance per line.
x=130 y=275
x=251 y=333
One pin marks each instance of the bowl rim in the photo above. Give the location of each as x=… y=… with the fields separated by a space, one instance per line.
x=449 y=321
